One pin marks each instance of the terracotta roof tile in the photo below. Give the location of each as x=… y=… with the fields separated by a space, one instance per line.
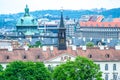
x=37 y=54
x=99 y=24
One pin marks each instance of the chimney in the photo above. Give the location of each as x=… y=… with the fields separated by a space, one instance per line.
x=51 y=48
x=101 y=47
x=117 y=47
x=10 y=48
x=44 y=48
x=84 y=47
x=26 y=47
x=73 y=47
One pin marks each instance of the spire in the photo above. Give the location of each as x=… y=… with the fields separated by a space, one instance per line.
x=26 y=11
x=61 y=20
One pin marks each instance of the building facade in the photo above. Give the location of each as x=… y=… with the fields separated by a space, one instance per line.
x=107 y=59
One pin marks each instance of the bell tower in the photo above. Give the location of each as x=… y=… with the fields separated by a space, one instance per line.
x=62 y=34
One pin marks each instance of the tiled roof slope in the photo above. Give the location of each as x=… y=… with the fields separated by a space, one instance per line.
x=99 y=24
x=37 y=54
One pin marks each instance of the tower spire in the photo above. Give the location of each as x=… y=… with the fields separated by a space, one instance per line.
x=62 y=34
x=61 y=19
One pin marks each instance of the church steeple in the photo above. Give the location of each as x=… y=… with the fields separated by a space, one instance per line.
x=26 y=11
x=62 y=34
x=61 y=20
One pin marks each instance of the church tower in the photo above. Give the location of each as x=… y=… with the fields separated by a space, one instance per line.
x=62 y=34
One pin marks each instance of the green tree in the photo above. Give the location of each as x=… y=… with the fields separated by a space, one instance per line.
x=38 y=43
x=1 y=72
x=80 y=69
x=19 y=70
x=89 y=44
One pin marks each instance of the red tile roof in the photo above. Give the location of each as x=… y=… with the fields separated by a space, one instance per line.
x=116 y=20
x=37 y=54
x=99 y=24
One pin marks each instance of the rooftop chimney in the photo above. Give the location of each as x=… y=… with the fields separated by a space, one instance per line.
x=26 y=47
x=73 y=47
x=44 y=48
x=51 y=48
x=10 y=48
x=84 y=47
x=117 y=47
x=101 y=47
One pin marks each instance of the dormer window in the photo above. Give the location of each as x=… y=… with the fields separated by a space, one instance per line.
x=7 y=57
x=107 y=55
x=90 y=55
x=24 y=57
x=38 y=57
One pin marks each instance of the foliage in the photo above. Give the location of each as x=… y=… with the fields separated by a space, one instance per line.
x=1 y=72
x=80 y=69
x=37 y=44
x=89 y=44
x=19 y=70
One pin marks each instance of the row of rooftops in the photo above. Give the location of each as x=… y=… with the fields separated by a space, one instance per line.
x=42 y=54
x=98 y=21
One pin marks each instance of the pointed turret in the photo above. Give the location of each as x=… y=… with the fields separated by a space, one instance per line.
x=61 y=20
x=62 y=34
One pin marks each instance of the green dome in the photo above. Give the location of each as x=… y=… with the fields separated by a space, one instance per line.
x=27 y=20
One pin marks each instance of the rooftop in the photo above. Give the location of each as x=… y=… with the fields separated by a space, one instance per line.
x=46 y=53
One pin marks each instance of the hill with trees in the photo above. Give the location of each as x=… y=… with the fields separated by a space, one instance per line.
x=9 y=20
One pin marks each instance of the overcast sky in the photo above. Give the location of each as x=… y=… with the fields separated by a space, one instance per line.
x=15 y=6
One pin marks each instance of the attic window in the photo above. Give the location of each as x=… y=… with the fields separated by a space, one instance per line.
x=90 y=55
x=107 y=55
x=38 y=57
x=24 y=57
x=7 y=57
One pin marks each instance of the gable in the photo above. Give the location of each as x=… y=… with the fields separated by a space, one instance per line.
x=62 y=58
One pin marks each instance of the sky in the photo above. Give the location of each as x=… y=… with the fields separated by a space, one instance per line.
x=15 y=6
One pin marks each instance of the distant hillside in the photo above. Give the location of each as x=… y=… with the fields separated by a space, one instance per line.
x=112 y=12
x=10 y=20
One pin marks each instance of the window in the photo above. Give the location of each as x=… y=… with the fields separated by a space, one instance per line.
x=90 y=56
x=106 y=66
x=7 y=57
x=114 y=76
x=38 y=57
x=24 y=57
x=99 y=66
x=114 y=66
x=107 y=55
x=106 y=76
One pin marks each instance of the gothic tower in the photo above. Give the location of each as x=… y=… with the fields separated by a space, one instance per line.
x=62 y=35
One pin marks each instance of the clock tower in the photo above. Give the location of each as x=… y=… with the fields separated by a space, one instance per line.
x=62 y=35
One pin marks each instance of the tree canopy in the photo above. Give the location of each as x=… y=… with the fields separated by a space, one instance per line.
x=80 y=69
x=19 y=70
x=89 y=44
